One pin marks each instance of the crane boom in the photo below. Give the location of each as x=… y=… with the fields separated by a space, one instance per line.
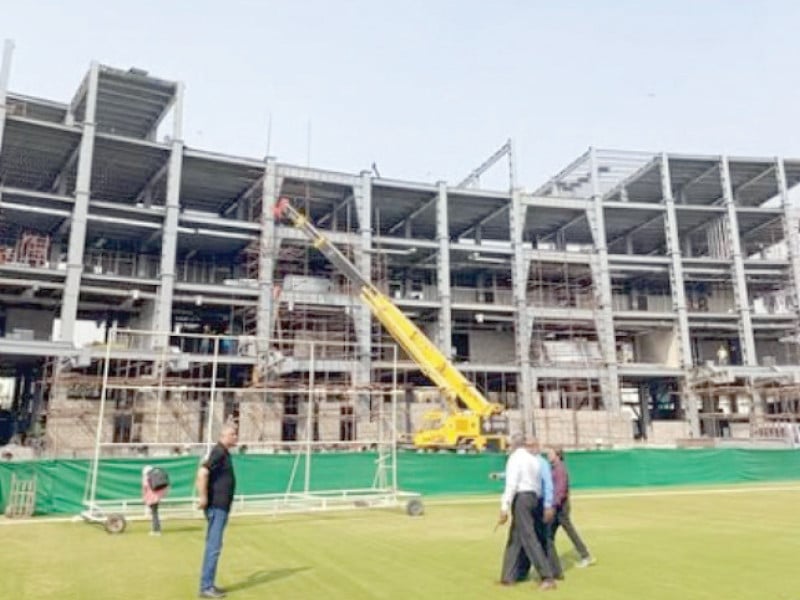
x=431 y=361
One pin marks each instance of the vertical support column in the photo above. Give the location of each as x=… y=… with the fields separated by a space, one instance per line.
x=746 y=339
x=678 y=290
x=169 y=239
x=5 y=74
x=512 y=165
x=523 y=319
x=791 y=236
x=362 y=194
x=747 y=344
x=80 y=212
x=267 y=251
x=605 y=316
x=445 y=330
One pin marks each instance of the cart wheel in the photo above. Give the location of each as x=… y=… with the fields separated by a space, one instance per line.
x=415 y=508
x=115 y=523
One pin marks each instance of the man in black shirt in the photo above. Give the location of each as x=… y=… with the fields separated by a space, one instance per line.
x=216 y=484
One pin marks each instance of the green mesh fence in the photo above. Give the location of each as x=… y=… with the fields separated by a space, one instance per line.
x=62 y=483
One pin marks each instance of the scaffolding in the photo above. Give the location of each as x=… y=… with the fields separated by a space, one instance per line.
x=760 y=409
x=317 y=416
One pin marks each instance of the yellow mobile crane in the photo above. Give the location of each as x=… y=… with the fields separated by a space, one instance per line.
x=469 y=421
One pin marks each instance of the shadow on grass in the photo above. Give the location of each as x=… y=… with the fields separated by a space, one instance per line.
x=184 y=528
x=264 y=576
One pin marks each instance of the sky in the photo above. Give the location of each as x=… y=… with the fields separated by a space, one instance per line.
x=428 y=89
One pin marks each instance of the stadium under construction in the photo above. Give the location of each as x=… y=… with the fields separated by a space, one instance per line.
x=633 y=298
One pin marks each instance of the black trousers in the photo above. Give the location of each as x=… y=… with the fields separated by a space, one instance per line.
x=524 y=546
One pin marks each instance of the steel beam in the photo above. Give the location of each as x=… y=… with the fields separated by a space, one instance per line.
x=622 y=185
x=162 y=321
x=474 y=177
x=5 y=74
x=741 y=298
x=336 y=208
x=445 y=330
x=523 y=317
x=145 y=194
x=555 y=202
x=621 y=237
x=792 y=237
x=414 y=214
x=482 y=221
x=80 y=211
x=268 y=246
x=755 y=179
x=248 y=193
x=59 y=183
x=562 y=228
x=604 y=320
x=677 y=287
x=362 y=194
x=712 y=169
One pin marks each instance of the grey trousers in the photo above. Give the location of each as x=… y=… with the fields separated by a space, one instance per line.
x=563 y=520
x=523 y=544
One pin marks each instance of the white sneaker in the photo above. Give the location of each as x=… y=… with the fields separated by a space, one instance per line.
x=586 y=562
x=156 y=533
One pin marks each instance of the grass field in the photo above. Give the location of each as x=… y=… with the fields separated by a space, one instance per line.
x=742 y=544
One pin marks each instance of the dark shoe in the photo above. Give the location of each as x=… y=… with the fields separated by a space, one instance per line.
x=547 y=584
x=211 y=593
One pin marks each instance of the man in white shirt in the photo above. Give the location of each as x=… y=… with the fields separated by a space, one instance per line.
x=520 y=498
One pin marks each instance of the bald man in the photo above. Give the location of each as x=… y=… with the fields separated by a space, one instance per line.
x=216 y=484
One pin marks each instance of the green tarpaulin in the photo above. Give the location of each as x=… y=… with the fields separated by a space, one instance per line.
x=61 y=484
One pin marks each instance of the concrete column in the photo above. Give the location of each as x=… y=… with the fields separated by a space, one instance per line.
x=169 y=241
x=77 y=233
x=445 y=329
x=746 y=339
x=362 y=194
x=679 y=294
x=523 y=318
x=5 y=74
x=605 y=317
